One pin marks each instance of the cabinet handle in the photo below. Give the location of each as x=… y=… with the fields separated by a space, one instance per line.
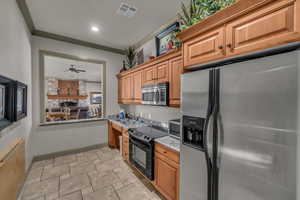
x=229 y=46
x=165 y=152
x=220 y=47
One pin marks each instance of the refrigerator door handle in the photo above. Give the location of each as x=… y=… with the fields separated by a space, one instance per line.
x=219 y=139
x=208 y=134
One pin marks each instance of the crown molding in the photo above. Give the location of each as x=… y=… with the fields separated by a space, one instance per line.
x=29 y=22
x=26 y=14
x=62 y=38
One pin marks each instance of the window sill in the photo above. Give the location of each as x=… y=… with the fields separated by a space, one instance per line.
x=71 y=122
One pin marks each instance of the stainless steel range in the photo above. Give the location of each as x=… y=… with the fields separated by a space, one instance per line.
x=141 y=148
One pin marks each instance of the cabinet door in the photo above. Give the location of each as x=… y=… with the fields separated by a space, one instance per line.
x=137 y=85
x=273 y=25
x=207 y=47
x=176 y=68
x=111 y=139
x=119 y=90
x=149 y=75
x=166 y=178
x=162 y=72
x=128 y=89
x=125 y=145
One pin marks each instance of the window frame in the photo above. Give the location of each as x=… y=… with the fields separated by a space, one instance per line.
x=9 y=112
x=42 y=54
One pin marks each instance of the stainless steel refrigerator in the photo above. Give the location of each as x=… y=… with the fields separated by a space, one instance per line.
x=239 y=138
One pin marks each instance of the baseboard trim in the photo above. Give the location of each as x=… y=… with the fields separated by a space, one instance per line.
x=68 y=152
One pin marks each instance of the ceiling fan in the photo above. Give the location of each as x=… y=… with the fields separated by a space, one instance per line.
x=74 y=69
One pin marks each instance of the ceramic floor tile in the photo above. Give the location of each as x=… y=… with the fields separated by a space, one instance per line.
x=34 y=175
x=73 y=196
x=53 y=196
x=82 y=167
x=42 y=163
x=101 y=181
x=50 y=172
x=107 y=193
x=29 y=198
x=74 y=183
x=99 y=174
x=61 y=160
x=39 y=189
x=133 y=192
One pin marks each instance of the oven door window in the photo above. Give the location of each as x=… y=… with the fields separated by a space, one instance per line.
x=140 y=156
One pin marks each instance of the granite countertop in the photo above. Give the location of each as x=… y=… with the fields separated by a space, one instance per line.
x=127 y=123
x=170 y=142
x=167 y=141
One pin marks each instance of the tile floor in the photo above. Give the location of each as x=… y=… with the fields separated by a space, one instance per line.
x=99 y=174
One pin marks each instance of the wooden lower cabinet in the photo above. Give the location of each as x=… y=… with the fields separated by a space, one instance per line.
x=114 y=131
x=275 y=24
x=167 y=172
x=125 y=145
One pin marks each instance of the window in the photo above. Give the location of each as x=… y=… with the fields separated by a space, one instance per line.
x=73 y=89
x=2 y=102
x=7 y=114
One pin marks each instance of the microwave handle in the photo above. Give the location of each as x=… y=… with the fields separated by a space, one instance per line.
x=156 y=96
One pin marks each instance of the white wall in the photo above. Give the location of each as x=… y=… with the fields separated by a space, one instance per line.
x=15 y=57
x=158 y=113
x=149 y=49
x=64 y=137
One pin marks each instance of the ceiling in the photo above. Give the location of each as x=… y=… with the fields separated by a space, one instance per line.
x=74 y=18
x=56 y=67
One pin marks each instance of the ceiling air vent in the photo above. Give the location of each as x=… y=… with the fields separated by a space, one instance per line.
x=126 y=10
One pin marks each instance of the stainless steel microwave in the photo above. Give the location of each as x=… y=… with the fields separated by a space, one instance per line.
x=157 y=94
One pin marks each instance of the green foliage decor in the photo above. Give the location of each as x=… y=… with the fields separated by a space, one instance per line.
x=130 y=57
x=198 y=10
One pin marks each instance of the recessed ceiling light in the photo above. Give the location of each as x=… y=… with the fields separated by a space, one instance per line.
x=95 y=29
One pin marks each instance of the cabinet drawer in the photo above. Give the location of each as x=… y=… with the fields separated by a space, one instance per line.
x=204 y=48
x=168 y=153
x=272 y=25
x=116 y=127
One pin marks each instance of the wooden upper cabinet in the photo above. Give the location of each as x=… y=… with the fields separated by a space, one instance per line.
x=128 y=89
x=120 y=90
x=272 y=25
x=137 y=85
x=162 y=72
x=207 y=47
x=149 y=75
x=175 y=70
